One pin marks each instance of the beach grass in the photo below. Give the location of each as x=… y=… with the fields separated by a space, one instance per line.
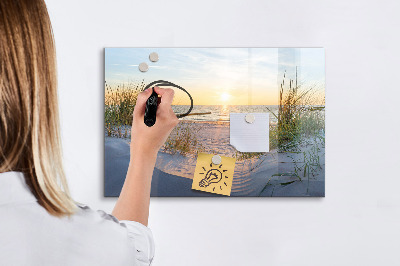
x=300 y=115
x=183 y=139
x=119 y=102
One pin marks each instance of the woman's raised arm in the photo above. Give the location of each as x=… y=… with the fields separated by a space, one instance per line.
x=133 y=202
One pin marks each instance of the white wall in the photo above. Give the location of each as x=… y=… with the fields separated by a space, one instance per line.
x=356 y=224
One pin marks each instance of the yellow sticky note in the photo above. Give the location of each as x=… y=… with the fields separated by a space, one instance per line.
x=213 y=178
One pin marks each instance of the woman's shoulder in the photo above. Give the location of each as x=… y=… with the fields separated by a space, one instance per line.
x=85 y=212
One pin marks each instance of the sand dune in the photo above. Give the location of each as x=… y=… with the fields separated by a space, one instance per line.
x=172 y=175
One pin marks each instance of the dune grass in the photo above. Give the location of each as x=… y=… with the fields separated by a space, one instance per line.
x=300 y=115
x=119 y=102
x=183 y=140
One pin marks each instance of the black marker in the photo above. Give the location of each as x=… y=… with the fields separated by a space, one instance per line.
x=151 y=109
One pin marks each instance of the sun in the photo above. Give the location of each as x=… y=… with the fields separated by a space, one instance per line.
x=225 y=97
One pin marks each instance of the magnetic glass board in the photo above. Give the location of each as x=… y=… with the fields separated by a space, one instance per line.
x=286 y=83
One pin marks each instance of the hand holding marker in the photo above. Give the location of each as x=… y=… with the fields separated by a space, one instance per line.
x=153 y=101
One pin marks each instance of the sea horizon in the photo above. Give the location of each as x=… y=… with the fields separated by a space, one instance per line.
x=221 y=112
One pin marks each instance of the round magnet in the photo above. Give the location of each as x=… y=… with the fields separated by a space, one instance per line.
x=153 y=57
x=216 y=159
x=250 y=118
x=143 y=67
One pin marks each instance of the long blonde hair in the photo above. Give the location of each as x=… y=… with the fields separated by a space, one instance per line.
x=29 y=119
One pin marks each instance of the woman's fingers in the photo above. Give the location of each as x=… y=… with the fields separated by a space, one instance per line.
x=167 y=96
x=141 y=102
x=164 y=109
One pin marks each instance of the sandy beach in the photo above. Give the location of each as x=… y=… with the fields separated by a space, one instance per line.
x=270 y=174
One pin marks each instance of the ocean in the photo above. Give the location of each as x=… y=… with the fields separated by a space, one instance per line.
x=221 y=112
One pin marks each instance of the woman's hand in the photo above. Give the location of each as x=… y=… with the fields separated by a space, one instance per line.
x=148 y=140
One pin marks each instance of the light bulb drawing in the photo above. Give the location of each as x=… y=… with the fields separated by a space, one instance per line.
x=213 y=176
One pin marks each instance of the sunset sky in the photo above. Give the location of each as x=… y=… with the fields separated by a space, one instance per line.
x=219 y=76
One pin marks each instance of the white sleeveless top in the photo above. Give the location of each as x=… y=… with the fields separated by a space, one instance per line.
x=29 y=235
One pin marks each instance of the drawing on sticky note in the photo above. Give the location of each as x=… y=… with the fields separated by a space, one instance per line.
x=213 y=178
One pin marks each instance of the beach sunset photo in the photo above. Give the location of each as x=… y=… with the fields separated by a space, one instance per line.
x=286 y=83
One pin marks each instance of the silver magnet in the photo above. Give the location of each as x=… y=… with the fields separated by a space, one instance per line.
x=250 y=118
x=143 y=67
x=216 y=159
x=153 y=57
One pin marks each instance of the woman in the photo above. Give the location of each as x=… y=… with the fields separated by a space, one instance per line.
x=40 y=224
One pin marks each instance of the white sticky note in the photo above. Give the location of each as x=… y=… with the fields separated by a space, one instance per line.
x=249 y=137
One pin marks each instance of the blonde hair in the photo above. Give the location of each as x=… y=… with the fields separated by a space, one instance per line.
x=29 y=119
